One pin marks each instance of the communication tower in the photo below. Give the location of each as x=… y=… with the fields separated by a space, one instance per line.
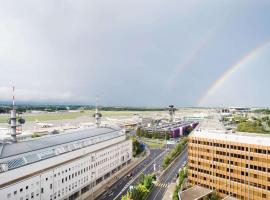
x=15 y=129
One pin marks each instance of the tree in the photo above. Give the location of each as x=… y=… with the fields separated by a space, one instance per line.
x=178 y=147
x=248 y=126
x=213 y=196
x=147 y=181
x=175 y=193
x=265 y=118
x=141 y=178
x=138 y=132
x=126 y=197
x=167 y=136
x=155 y=135
x=166 y=161
x=139 y=192
x=154 y=177
x=142 y=132
x=137 y=148
x=176 y=151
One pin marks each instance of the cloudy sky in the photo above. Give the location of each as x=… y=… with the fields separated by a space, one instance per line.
x=136 y=53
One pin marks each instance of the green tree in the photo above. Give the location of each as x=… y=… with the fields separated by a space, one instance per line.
x=167 y=136
x=147 y=181
x=139 y=192
x=155 y=135
x=137 y=148
x=175 y=193
x=138 y=132
x=126 y=197
x=253 y=127
x=265 y=118
x=166 y=161
x=176 y=151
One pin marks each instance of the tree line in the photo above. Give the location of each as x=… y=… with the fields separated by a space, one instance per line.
x=174 y=152
x=5 y=108
x=141 y=132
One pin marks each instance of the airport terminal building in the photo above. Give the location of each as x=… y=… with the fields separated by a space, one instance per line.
x=63 y=166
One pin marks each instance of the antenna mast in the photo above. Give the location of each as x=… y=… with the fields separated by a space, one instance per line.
x=13 y=119
x=13 y=97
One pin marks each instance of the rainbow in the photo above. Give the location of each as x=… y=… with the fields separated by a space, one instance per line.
x=231 y=70
x=203 y=43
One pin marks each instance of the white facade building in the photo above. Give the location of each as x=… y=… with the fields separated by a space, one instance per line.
x=64 y=166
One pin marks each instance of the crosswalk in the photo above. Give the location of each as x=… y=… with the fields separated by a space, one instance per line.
x=126 y=186
x=162 y=185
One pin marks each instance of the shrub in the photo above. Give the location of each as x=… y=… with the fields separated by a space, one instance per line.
x=176 y=151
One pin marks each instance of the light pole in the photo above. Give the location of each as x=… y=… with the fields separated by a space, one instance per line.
x=165 y=140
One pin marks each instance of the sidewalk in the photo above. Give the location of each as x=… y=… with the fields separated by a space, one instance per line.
x=169 y=193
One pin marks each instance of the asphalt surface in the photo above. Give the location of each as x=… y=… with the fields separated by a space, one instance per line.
x=120 y=187
x=168 y=177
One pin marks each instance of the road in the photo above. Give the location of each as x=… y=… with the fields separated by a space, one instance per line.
x=121 y=186
x=167 y=177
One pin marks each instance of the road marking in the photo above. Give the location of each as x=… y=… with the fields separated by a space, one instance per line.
x=134 y=178
x=170 y=173
x=161 y=184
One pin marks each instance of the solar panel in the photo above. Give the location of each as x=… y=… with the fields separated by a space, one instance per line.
x=46 y=154
x=15 y=163
x=18 y=162
x=31 y=158
x=60 y=150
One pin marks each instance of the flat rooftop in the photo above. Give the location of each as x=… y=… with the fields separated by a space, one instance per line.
x=212 y=124
x=11 y=149
x=213 y=129
x=229 y=198
x=194 y=193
